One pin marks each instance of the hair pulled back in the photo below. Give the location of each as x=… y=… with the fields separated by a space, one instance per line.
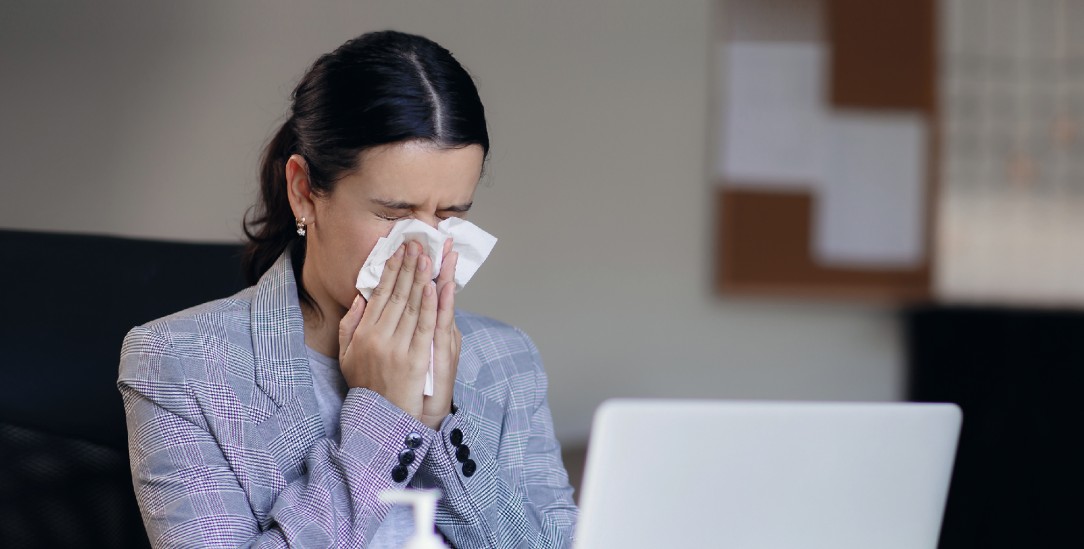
x=379 y=88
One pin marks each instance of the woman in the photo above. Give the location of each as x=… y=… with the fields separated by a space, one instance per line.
x=275 y=417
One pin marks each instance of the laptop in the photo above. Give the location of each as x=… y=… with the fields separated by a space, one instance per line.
x=767 y=475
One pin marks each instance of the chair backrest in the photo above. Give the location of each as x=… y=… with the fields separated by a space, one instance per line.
x=70 y=300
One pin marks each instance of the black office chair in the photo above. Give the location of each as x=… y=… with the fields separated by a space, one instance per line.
x=1017 y=374
x=64 y=470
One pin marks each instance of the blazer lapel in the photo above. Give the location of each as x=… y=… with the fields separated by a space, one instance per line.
x=278 y=334
x=281 y=367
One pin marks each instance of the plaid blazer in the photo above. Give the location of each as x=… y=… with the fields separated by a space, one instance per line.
x=227 y=448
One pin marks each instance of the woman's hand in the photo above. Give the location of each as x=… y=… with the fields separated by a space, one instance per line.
x=385 y=344
x=446 y=343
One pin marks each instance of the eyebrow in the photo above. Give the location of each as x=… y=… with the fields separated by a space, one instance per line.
x=400 y=205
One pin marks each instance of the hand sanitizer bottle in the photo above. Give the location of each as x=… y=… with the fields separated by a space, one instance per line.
x=425 y=503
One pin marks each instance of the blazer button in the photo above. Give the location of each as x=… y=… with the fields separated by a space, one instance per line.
x=398 y=473
x=406 y=457
x=462 y=453
x=469 y=467
x=413 y=440
x=457 y=437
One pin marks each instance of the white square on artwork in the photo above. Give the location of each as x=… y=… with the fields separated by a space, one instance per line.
x=773 y=117
x=870 y=210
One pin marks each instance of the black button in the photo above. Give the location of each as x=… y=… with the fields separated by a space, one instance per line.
x=399 y=473
x=454 y=408
x=406 y=457
x=457 y=437
x=413 y=440
x=469 y=467
x=462 y=453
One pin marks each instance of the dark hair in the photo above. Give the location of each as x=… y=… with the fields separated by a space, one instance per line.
x=379 y=88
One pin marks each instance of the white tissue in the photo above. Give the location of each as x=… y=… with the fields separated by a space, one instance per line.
x=471 y=242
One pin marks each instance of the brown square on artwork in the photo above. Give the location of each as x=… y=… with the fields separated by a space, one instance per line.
x=883 y=54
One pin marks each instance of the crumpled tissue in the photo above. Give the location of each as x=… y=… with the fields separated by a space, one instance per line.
x=470 y=241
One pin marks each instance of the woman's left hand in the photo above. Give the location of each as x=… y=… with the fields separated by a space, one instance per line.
x=446 y=344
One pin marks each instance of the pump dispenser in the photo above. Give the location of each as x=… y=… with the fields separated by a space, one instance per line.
x=425 y=503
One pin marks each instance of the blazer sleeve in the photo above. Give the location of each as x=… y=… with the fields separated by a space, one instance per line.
x=190 y=495
x=494 y=507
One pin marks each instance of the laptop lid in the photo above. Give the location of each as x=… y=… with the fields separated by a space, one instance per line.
x=765 y=475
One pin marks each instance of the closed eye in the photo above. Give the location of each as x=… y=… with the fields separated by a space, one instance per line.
x=391 y=217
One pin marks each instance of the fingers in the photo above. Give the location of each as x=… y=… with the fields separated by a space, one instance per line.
x=397 y=285
x=446 y=339
x=457 y=343
x=447 y=267
x=446 y=345
x=379 y=298
x=421 y=342
x=445 y=313
x=349 y=324
x=401 y=290
x=446 y=299
x=420 y=281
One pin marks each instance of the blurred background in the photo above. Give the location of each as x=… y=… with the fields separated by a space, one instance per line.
x=147 y=120
x=610 y=122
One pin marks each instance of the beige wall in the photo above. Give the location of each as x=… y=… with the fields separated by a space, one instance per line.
x=146 y=119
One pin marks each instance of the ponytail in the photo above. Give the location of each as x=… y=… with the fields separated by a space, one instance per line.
x=269 y=224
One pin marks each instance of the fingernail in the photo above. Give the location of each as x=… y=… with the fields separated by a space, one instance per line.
x=429 y=288
x=423 y=262
x=354 y=305
x=399 y=252
x=412 y=249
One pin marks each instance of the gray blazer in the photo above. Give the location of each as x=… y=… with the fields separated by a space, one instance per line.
x=227 y=447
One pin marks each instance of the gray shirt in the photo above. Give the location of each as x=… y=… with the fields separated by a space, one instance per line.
x=330 y=387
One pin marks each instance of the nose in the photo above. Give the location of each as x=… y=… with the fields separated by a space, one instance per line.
x=430 y=219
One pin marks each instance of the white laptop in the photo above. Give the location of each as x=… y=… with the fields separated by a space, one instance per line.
x=767 y=475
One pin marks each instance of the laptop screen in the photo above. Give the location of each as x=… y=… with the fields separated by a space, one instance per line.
x=760 y=475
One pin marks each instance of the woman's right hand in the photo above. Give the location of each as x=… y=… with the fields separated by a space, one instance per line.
x=385 y=344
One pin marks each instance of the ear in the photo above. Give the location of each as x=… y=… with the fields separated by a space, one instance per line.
x=298 y=189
